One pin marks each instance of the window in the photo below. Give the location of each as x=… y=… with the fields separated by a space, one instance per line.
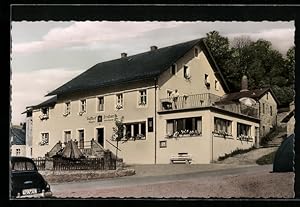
x=184 y=127
x=82 y=108
x=222 y=126
x=18 y=152
x=173 y=69
x=217 y=85
x=119 y=101
x=67 y=108
x=135 y=130
x=243 y=131
x=81 y=138
x=267 y=96
x=271 y=112
x=196 y=52
x=101 y=103
x=206 y=80
x=67 y=136
x=263 y=108
x=150 y=124
x=186 y=72
x=169 y=93
x=162 y=144
x=45 y=113
x=44 y=138
x=23 y=166
x=142 y=98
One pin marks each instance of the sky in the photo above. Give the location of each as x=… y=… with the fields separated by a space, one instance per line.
x=46 y=55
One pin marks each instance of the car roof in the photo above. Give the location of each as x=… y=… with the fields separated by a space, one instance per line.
x=20 y=158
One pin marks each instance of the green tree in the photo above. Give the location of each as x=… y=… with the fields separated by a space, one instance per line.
x=220 y=50
x=264 y=66
x=118 y=132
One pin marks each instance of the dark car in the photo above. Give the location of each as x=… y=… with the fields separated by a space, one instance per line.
x=26 y=181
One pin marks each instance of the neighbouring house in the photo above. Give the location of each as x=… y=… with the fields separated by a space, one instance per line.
x=160 y=123
x=18 y=144
x=266 y=100
x=289 y=119
x=28 y=136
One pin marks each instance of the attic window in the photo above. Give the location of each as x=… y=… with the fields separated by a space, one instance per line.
x=217 y=87
x=186 y=72
x=173 y=69
x=206 y=81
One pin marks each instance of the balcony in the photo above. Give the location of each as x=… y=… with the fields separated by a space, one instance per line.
x=206 y=100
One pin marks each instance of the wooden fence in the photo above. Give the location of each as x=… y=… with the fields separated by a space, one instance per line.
x=40 y=163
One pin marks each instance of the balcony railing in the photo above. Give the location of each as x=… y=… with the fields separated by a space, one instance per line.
x=205 y=100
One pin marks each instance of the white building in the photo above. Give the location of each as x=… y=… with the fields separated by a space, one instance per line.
x=141 y=88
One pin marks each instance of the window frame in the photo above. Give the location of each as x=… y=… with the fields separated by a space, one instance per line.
x=98 y=104
x=185 y=132
x=64 y=135
x=141 y=96
x=220 y=124
x=67 y=108
x=175 y=69
x=118 y=105
x=82 y=102
x=42 y=138
x=186 y=72
x=129 y=128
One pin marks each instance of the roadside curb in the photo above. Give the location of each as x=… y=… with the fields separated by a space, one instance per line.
x=83 y=175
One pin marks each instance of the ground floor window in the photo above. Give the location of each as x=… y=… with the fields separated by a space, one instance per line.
x=135 y=130
x=44 y=138
x=67 y=136
x=243 y=131
x=184 y=127
x=222 y=127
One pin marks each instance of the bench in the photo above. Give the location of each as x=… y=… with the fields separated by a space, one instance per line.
x=182 y=157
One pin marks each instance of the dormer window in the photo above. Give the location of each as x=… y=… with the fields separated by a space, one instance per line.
x=173 y=69
x=196 y=52
x=186 y=72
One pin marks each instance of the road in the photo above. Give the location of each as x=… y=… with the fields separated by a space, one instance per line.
x=248 y=181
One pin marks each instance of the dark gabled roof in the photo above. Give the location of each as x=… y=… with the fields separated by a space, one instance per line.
x=288 y=116
x=49 y=102
x=142 y=66
x=18 y=136
x=256 y=94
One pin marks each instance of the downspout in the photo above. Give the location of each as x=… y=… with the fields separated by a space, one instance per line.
x=155 y=112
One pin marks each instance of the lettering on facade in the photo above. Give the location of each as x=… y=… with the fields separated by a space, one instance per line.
x=109 y=117
x=91 y=119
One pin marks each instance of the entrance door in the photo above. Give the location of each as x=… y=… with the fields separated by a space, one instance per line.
x=100 y=136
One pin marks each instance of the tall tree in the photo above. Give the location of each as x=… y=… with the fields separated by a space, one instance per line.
x=220 y=50
x=264 y=66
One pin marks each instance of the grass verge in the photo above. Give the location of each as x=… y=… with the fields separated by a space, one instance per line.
x=235 y=152
x=266 y=159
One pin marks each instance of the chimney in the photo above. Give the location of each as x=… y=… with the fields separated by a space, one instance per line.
x=244 y=83
x=153 y=48
x=123 y=55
